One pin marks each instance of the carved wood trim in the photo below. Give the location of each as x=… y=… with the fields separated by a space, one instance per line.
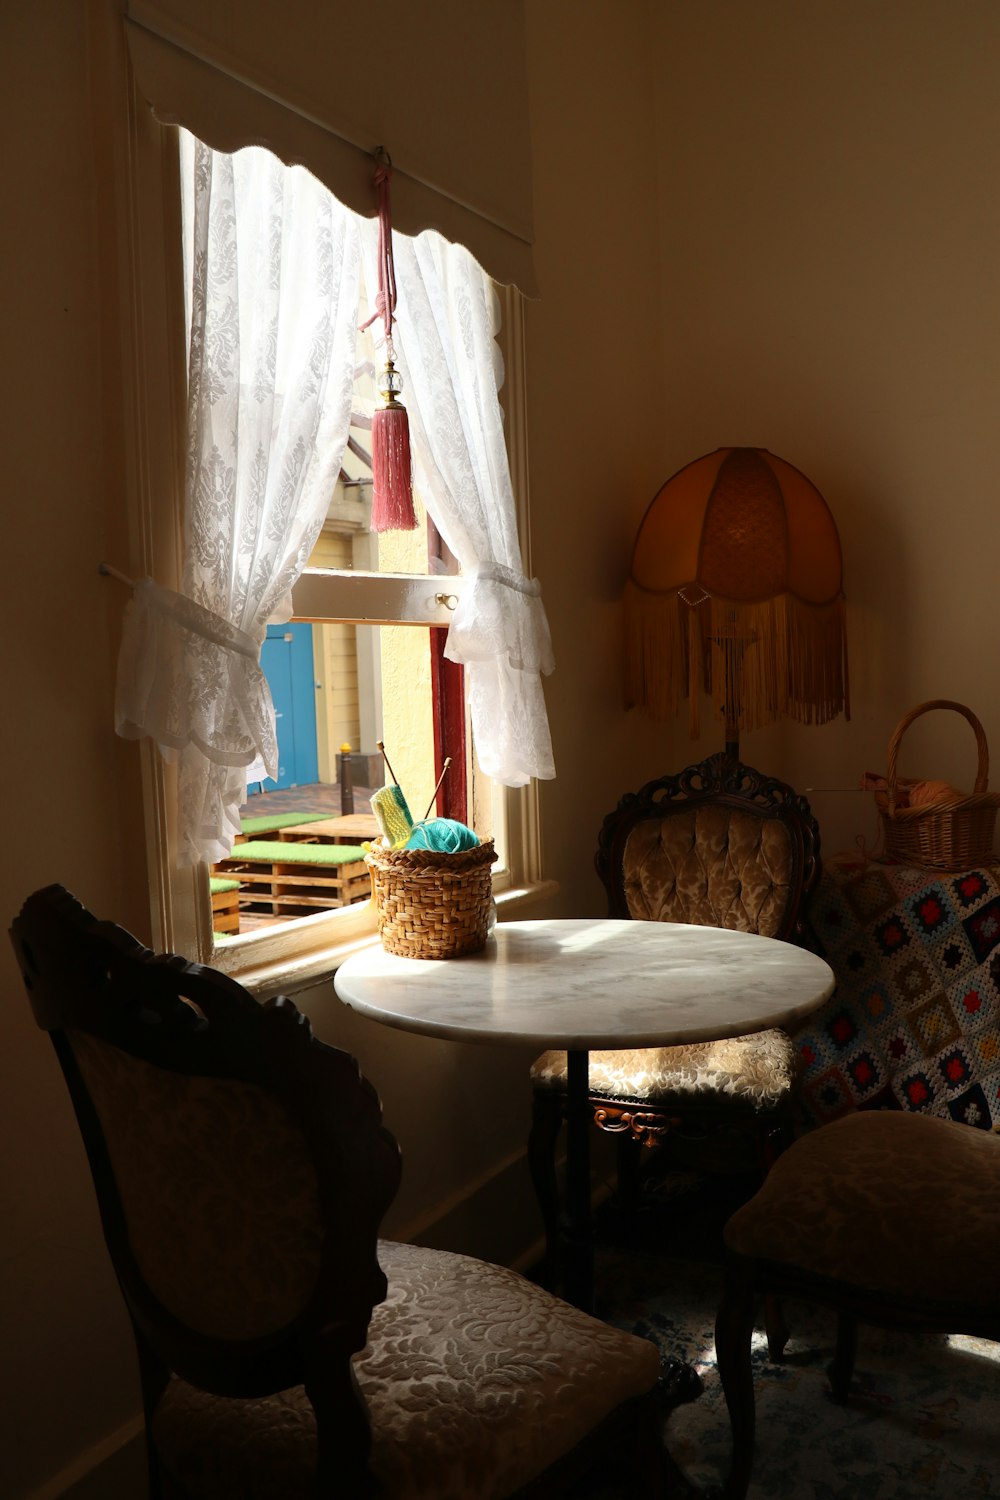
x=648 y=1127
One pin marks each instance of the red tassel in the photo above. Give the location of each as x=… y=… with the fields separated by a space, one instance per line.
x=392 y=483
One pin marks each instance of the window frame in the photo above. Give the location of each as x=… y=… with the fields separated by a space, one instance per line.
x=299 y=954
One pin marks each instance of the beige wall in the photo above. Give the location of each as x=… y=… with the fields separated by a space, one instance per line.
x=774 y=225
x=71 y=804
x=830 y=231
x=813 y=200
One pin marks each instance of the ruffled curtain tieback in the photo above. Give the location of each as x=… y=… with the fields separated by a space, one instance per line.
x=501 y=615
x=188 y=677
x=195 y=617
x=510 y=578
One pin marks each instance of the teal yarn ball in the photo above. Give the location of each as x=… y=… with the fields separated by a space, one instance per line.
x=443 y=835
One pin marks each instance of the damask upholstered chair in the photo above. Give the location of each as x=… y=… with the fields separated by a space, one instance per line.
x=284 y=1351
x=717 y=845
x=887 y=1217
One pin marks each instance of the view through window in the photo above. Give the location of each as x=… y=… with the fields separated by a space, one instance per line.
x=341 y=688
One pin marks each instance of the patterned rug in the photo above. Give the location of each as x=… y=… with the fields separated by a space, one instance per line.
x=921 y=1424
x=915 y=1020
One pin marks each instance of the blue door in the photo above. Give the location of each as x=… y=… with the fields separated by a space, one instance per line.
x=287 y=659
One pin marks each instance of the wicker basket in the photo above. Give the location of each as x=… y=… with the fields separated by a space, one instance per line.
x=955 y=833
x=432 y=905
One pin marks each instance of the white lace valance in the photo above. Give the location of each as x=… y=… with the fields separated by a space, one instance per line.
x=289 y=76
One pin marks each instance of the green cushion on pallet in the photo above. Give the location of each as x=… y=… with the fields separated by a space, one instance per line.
x=268 y=853
x=217 y=885
x=279 y=820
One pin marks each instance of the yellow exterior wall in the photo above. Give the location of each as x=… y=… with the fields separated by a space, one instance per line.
x=335 y=663
x=407 y=725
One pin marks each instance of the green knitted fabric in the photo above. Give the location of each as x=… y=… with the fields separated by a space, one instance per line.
x=268 y=852
x=392 y=814
x=217 y=885
x=279 y=820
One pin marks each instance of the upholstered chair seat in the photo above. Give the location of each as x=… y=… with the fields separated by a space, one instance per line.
x=750 y=1072
x=884 y=1203
x=885 y=1216
x=475 y=1382
x=718 y=845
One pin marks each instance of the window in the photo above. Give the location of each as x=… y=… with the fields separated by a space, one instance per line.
x=306 y=949
x=362 y=663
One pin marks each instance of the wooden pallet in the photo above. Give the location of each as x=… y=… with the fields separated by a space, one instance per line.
x=350 y=829
x=253 y=829
x=295 y=879
x=225 y=904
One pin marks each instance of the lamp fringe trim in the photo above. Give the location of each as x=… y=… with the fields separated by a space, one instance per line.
x=774 y=658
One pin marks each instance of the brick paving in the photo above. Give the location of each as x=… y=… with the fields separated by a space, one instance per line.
x=321 y=797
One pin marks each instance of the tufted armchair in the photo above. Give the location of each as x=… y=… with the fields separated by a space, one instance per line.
x=285 y=1352
x=717 y=845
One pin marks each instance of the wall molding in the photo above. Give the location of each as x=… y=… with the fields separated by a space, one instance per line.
x=89 y=1476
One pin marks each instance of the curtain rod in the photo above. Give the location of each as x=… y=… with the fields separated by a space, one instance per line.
x=110 y=572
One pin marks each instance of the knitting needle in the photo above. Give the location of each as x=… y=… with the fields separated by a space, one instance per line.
x=447 y=763
x=379 y=746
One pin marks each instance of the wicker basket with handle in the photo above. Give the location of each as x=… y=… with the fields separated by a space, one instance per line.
x=431 y=904
x=952 y=833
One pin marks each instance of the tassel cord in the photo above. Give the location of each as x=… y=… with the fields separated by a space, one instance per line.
x=385 y=297
x=392 y=483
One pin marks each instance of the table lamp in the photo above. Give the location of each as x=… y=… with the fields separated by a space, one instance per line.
x=736 y=589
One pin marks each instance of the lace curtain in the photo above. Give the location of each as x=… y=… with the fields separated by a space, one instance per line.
x=445 y=335
x=272 y=269
x=273 y=265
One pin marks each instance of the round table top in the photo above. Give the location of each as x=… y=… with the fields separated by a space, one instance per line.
x=585 y=985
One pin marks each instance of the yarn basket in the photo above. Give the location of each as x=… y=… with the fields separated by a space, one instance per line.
x=430 y=904
x=954 y=832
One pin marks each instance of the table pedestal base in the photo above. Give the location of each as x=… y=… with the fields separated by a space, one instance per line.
x=577 y=1226
x=679 y=1382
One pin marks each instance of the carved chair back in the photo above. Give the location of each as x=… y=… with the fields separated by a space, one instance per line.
x=717 y=845
x=241 y=1166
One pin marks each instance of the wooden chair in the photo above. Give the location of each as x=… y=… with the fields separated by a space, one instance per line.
x=888 y=1217
x=719 y=845
x=242 y=1170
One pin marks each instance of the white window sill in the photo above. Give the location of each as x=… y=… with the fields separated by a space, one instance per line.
x=288 y=974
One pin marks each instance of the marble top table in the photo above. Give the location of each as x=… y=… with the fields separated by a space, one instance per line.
x=584 y=985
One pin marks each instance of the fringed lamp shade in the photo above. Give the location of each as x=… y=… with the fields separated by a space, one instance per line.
x=736 y=588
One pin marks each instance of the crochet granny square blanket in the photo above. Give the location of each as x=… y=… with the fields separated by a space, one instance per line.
x=914 y=1022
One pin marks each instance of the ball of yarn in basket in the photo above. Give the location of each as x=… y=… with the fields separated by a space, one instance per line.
x=444 y=835
x=923 y=792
